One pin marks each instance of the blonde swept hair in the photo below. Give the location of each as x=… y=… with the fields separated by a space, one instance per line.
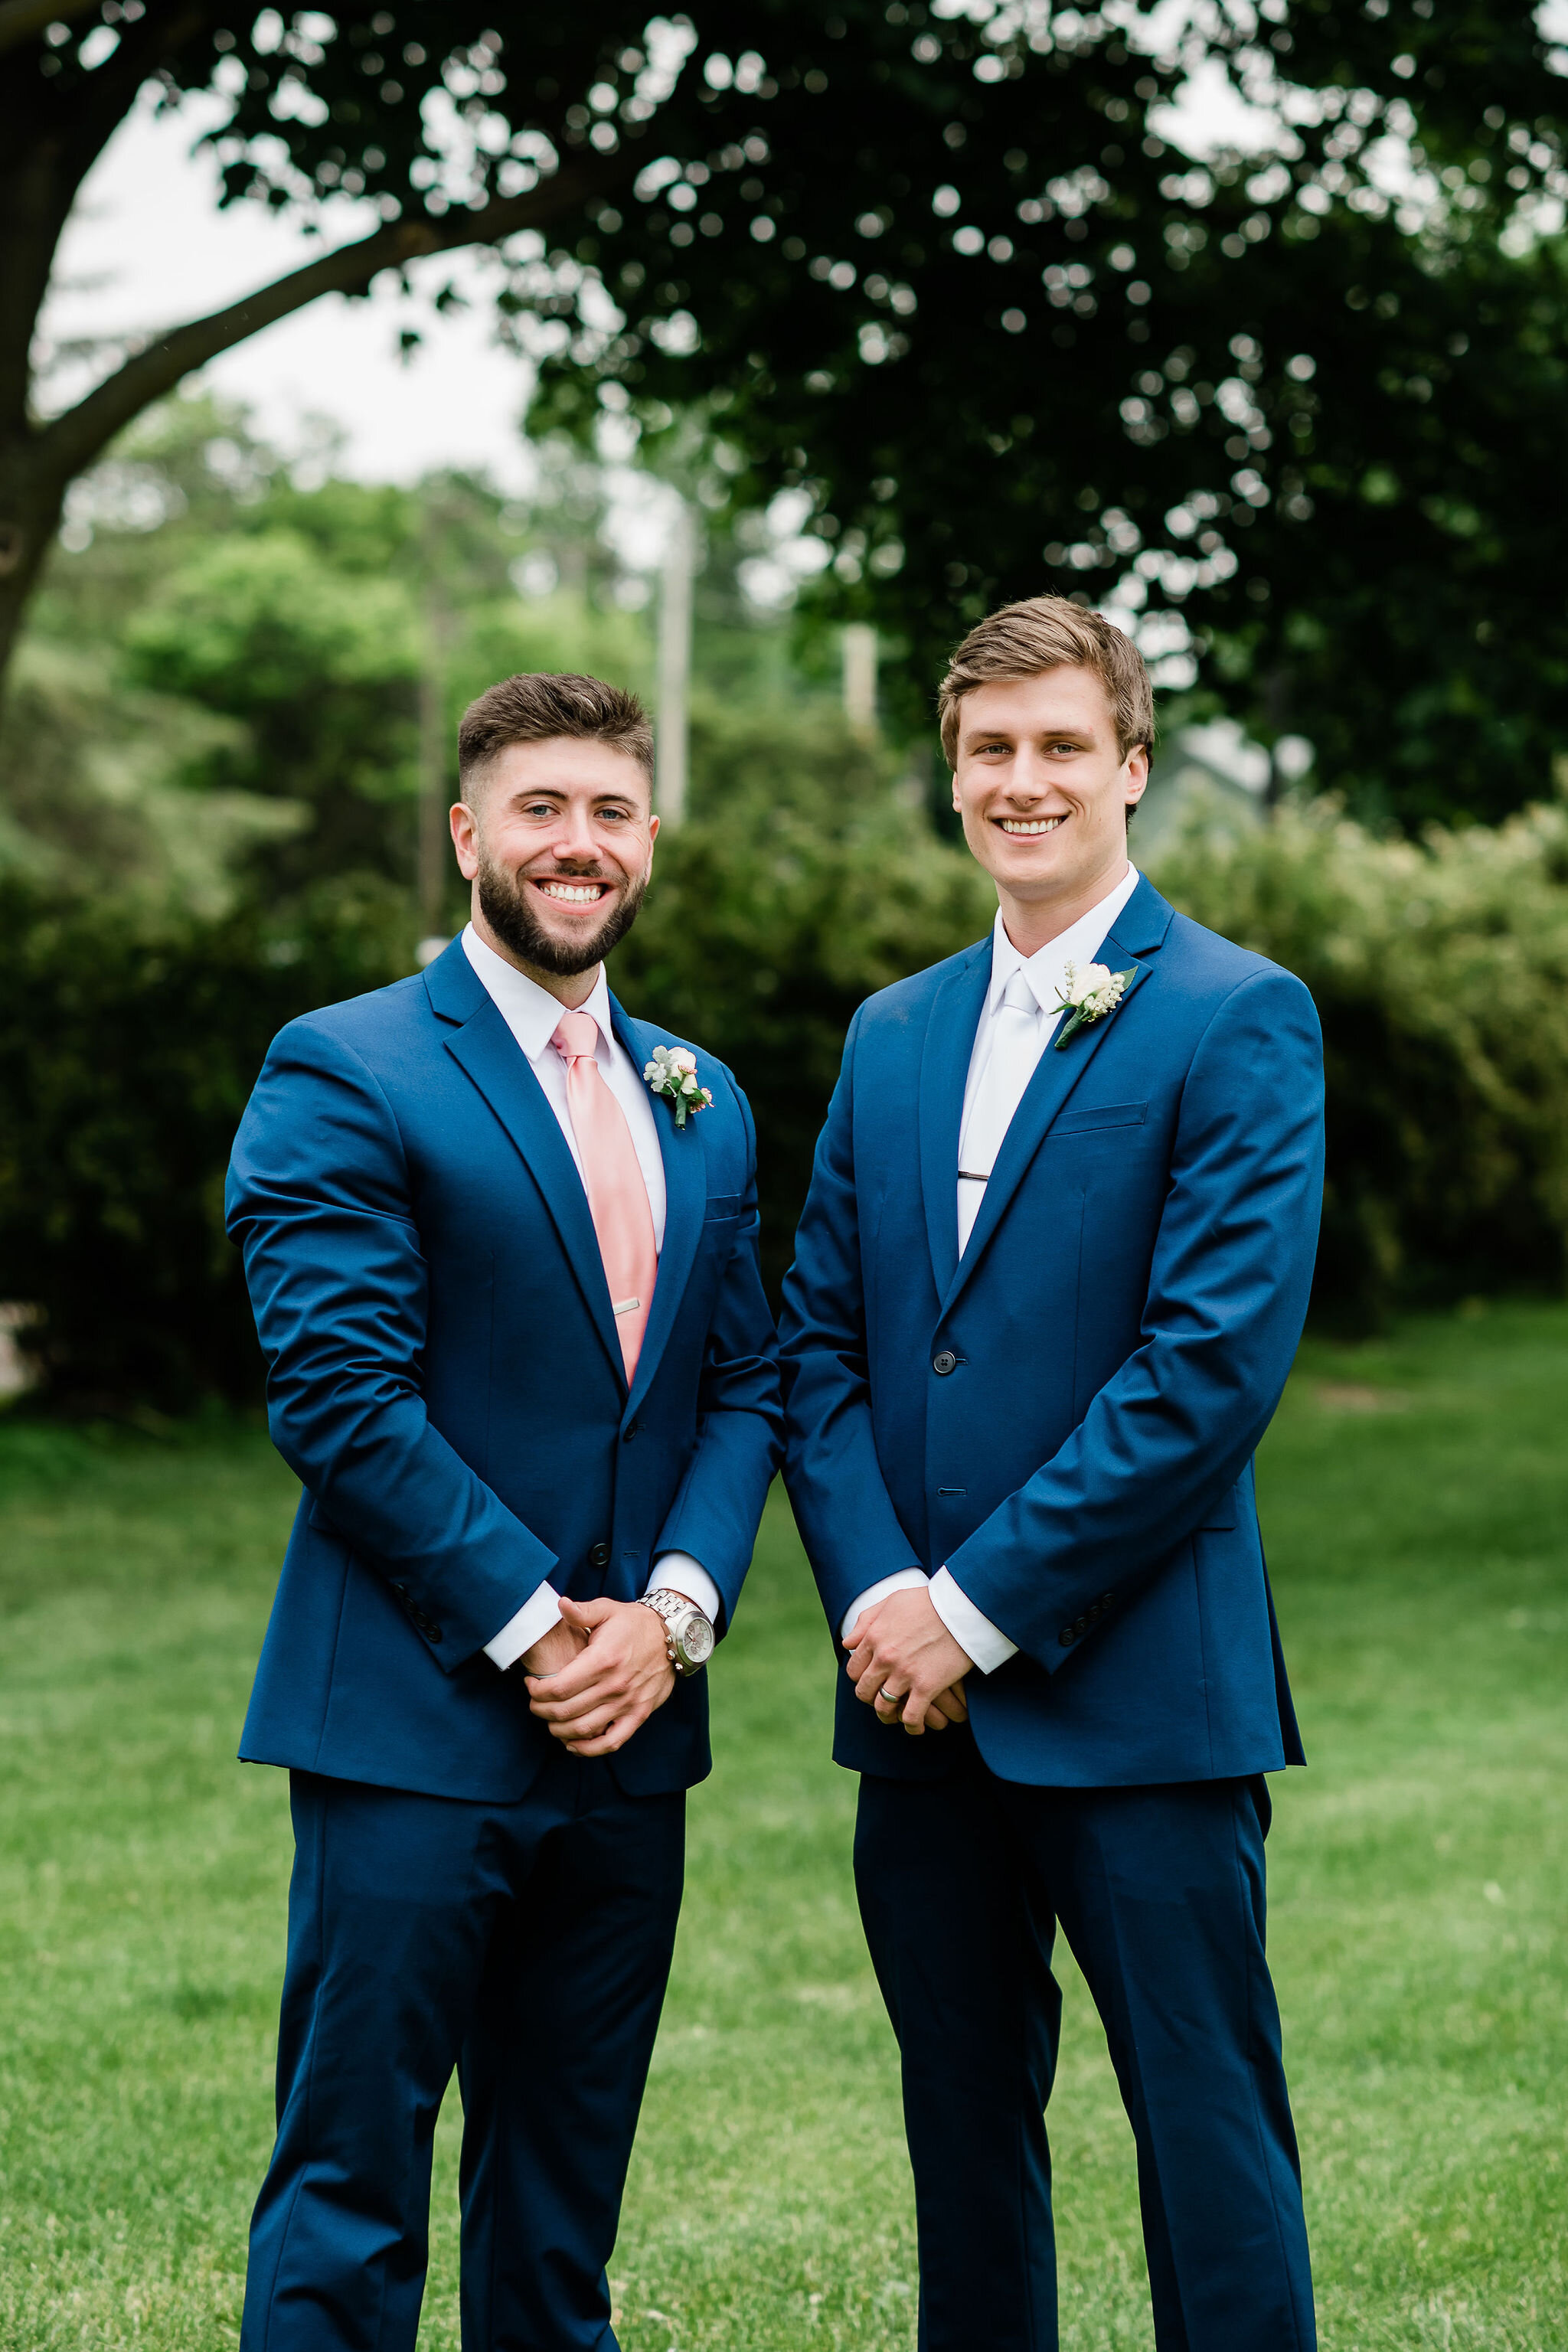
x=1050 y=633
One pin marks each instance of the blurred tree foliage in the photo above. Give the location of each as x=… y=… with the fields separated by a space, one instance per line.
x=93 y=802
x=944 y=267
x=1295 y=408
x=220 y=691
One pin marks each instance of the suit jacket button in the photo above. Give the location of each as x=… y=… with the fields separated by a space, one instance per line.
x=432 y=1633
x=944 y=1363
x=1066 y=1637
x=600 y=1556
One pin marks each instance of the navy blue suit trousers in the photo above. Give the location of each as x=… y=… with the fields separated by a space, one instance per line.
x=525 y=1943
x=1160 y=1893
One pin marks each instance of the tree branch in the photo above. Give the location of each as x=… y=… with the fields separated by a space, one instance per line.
x=23 y=20
x=72 y=440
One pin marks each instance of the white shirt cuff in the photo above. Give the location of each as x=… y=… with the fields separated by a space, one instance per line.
x=533 y=1620
x=984 y=1643
x=676 y=1572
x=904 y=1581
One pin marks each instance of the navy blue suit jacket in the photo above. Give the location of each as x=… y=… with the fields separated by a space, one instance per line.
x=444 y=1377
x=1122 y=1322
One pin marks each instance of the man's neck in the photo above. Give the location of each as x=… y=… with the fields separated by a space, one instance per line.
x=570 y=989
x=1032 y=924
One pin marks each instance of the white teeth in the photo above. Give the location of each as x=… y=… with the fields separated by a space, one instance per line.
x=1027 y=824
x=573 y=894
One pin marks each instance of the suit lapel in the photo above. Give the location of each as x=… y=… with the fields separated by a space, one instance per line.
x=685 y=1205
x=489 y=1053
x=944 y=1071
x=1144 y=920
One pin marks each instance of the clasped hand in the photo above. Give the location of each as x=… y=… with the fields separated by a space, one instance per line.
x=905 y=1664
x=599 y=1673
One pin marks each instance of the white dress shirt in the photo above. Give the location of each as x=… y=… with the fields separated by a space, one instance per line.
x=533 y=1015
x=1017 y=1024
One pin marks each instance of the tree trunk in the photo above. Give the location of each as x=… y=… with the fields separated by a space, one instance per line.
x=32 y=494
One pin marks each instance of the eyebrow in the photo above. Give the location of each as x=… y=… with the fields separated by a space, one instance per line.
x=1066 y=733
x=558 y=792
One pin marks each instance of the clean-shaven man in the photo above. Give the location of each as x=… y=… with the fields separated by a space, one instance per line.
x=520 y=1357
x=1049 y=1280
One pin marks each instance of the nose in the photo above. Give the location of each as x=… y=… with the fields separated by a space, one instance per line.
x=1026 y=779
x=576 y=840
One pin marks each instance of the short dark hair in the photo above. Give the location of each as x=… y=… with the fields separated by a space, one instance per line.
x=537 y=704
x=1046 y=633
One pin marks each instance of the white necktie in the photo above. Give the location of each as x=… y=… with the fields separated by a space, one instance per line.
x=1016 y=1036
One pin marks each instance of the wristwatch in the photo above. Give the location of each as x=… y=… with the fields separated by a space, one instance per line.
x=688 y=1635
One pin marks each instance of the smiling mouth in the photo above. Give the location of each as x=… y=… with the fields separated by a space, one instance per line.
x=1029 y=828
x=573 y=894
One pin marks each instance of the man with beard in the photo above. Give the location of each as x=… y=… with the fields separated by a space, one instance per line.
x=519 y=1356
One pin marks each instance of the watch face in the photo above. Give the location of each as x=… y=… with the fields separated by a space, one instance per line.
x=695 y=1639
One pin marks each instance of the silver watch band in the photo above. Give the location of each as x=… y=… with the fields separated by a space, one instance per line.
x=676 y=1610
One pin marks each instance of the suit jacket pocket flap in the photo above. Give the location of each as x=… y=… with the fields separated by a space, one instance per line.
x=1080 y=1123
x=722 y=1205
x=1225 y=1513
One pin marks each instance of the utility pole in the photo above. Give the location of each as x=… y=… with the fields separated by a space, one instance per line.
x=859 y=653
x=674 y=669
x=433 y=848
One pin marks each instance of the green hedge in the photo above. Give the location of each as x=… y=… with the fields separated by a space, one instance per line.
x=126 y=1056
x=1441 y=974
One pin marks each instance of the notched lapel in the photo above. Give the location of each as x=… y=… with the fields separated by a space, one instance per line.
x=487 y=1050
x=1056 y=1076
x=944 y=1072
x=685 y=1205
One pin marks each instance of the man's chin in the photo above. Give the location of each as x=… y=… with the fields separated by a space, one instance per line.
x=515 y=913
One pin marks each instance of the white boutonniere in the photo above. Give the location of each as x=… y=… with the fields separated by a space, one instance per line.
x=1089 y=995
x=672 y=1072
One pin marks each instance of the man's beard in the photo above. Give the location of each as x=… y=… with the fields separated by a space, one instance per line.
x=504 y=903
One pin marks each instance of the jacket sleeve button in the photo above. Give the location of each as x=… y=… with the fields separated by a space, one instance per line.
x=1066 y=1637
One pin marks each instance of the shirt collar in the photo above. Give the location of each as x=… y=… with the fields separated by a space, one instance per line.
x=531 y=1012
x=1045 y=970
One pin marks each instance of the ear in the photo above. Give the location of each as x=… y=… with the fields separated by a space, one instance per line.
x=1136 y=770
x=465 y=827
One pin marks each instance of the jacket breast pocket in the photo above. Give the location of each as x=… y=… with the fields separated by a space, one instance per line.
x=1084 y=1121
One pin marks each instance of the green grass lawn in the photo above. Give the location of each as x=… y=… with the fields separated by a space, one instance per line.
x=1415 y=1497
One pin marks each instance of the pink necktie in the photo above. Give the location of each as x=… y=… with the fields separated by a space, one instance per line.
x=612 y=1177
